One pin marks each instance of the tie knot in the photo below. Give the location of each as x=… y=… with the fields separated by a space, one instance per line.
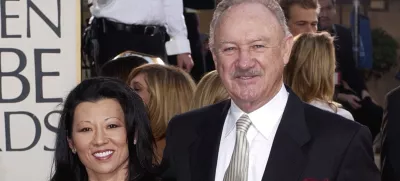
x=243 y=123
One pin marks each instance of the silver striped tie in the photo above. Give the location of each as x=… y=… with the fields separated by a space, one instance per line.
x=239 y=165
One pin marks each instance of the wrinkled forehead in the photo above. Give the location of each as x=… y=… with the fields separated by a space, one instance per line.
x=248 y=21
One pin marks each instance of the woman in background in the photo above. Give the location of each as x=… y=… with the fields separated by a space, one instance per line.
x=210 y=90
x=311 y=70
x=103 y=134
x=167 y=91
x=121 y=66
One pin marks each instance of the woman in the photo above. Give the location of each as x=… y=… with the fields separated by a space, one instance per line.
x=167 y=91
x=210 y=90
x=103 y=134
x=311 y=70
x=125 y=62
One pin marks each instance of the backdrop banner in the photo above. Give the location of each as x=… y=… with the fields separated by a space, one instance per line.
x=39 y=65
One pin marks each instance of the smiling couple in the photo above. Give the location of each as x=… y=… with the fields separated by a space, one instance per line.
x=263 y=133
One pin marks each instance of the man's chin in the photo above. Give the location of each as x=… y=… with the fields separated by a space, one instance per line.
x=326 y=26
x=246 y=96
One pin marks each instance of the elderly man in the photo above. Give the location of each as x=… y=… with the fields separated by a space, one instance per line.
x=264 y=132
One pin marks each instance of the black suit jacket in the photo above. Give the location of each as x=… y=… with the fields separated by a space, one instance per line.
x=309 y=144
x=345 y=59
x=390 y=155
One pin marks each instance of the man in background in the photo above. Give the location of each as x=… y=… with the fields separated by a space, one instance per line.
x=351 y=91
x=390 y=155
x=301 y=15
x=141 y=26
x=191 y=11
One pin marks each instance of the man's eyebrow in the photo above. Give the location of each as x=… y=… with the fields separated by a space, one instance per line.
x=226 y=42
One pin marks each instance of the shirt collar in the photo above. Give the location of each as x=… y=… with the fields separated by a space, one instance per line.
x=264 y=118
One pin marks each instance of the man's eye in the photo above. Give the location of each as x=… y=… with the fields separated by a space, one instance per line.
x=229 y=49
x=258 y=46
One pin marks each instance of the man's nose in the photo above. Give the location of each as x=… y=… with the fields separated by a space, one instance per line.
x=245 y=60
x=310 y=28
x=323 y=13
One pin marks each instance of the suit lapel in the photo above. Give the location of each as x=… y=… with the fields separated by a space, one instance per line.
x=288 y=153
x=204 y=150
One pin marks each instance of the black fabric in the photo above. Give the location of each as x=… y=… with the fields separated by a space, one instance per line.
x=113 y=41
x=369 y=115
x=310 y=144
x=390 y=154
x=345 y=59
x=197 y=4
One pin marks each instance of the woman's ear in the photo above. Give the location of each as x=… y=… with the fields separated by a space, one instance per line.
x=71 y=144
x=135 y=137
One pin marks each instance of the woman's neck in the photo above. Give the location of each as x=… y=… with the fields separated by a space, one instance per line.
x=160 y=145
x=120 y=174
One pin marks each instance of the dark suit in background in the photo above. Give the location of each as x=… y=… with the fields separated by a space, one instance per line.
x=345 y=59
x=370 y=114
x=309 y=144
x=390 y=155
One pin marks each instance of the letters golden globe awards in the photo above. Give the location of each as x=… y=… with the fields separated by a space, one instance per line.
x=39 y=65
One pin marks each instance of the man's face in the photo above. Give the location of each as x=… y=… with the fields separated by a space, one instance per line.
x=302 y=20
x=327 y=14
x=250 y=51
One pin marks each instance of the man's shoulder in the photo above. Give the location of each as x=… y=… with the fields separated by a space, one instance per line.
x=322 y=123
x=342 y=33
x=394 y=94
x=192 y=119
x=341 y=28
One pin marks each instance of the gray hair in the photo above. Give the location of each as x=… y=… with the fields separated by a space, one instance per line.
x=224 y=5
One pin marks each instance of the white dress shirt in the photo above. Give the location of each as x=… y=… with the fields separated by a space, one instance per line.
x=168 y=13
x=325 y=106
x=260 y=135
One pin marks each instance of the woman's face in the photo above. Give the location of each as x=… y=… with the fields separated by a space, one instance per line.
x=139 y=84
x=99 y=136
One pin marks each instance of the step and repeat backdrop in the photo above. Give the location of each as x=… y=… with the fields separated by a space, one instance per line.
x=39 y=65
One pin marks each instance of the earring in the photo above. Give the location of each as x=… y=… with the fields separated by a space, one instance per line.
x=73 y=150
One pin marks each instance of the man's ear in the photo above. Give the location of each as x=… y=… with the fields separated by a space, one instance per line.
x=287 y=49
x=214 y=55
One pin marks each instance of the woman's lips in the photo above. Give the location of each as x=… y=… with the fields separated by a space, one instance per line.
x=103 y=155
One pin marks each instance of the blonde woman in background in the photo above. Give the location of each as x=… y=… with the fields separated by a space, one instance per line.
x=167 y=91
x=311 y=70
x=210 y=90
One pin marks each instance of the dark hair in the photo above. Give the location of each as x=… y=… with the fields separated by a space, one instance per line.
x=306 y=4
x=67 y=166
x=121 y=67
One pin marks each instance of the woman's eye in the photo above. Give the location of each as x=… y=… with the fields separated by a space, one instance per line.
x=113 y=126
x=85 y=130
